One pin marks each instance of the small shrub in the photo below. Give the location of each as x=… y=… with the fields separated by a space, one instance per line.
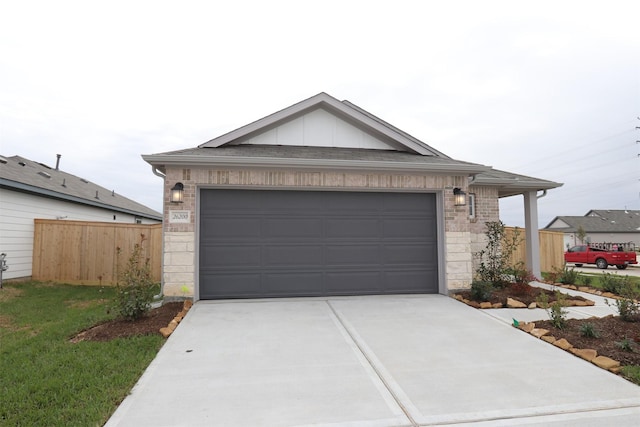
x=585 y=280
x=568 y=276
x=495 y=258
x=628 y=305
x=551 y=276
x=626 y=344
x=610 y=283
x=589 y=331
x=522 y=275
x=556 y=310
x=136 y=288
x=481 y=291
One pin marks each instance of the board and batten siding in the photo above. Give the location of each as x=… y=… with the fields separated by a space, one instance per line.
x=17 y=213
x=318 y=128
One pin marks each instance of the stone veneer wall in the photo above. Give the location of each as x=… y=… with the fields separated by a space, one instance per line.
x=180 y=239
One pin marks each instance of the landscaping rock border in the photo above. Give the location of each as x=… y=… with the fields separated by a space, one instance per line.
x=514 y=303
x=168 y=330
x=586 y=289
x=587 y=354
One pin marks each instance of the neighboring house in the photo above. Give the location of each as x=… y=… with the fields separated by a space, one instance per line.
x=599 y=226
x=324 y=198
x=30 y=190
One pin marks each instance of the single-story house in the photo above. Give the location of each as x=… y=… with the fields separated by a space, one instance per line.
x=30 y=190
x=324 y=198
x=599 y=226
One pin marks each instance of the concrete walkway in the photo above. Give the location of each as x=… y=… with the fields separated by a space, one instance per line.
x=368 y=361
x=600 y=309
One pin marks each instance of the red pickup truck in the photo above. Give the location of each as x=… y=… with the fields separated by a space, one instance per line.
x=602 y=257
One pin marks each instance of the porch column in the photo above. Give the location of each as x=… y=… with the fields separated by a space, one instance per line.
x=532 y=239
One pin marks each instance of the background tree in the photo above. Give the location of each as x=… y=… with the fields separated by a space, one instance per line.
x=581 y=234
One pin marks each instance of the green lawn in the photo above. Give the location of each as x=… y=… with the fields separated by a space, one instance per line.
x=46 y=380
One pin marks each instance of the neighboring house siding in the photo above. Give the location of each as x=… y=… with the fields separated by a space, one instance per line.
x=180 y=239
x=17 y=212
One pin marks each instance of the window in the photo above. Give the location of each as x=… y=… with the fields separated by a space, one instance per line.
x=472 y=205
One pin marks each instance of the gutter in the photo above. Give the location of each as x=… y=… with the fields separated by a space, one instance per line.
x=269 y=162
x=156 y=172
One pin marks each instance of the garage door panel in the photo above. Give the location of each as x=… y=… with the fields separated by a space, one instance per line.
x=287 y=227
x=230 y=256
x=347 y=228
x=411 y=281
x=350 y=254
x=216 y=285
x=414 y=228
x=408 y=253
x=354 y=282
x=303 y=283
x=296 y=243
x=289 y=255
x=222 y=228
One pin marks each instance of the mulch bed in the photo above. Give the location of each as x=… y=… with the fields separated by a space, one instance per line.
x=522 y=292
x=611 y=329
x=119 y=328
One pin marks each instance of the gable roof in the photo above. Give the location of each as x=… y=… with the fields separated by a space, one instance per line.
x=400 y=151
x=344 y=109
x=599 y=221
x=24 y=175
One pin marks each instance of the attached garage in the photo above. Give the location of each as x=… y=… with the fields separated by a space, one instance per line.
x=323 y=198
x=261 y=243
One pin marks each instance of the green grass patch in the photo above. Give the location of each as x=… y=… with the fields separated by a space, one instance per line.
x=632 y=373
x=597 y=280
x=47 y=380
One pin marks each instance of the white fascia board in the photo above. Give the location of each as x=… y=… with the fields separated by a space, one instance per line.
x=268 y=162
x=318 y=101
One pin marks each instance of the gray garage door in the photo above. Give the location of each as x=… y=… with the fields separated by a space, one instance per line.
x=256 y=244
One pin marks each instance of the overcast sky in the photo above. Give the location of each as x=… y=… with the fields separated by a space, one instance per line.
x=547 y=89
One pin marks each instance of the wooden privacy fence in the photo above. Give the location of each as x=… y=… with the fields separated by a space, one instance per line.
x=551 y=248
x=91 y=253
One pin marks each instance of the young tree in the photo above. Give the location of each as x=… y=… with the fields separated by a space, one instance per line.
x=496 y=257
x=581 y=234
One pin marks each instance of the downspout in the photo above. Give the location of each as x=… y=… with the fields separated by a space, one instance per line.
x=158 y=297
x=544 y=193
x=156 y=172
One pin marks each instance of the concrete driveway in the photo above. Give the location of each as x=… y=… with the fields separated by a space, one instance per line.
x=367 y=361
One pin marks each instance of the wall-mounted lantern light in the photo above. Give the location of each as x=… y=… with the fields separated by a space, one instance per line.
x=460 y=197
x=177 y=193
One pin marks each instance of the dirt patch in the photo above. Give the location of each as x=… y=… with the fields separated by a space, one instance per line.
x=84 y=304
x=119 y=328
x=611 y=330
x=6 y=322
x=521 y=292
x=7 y=293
